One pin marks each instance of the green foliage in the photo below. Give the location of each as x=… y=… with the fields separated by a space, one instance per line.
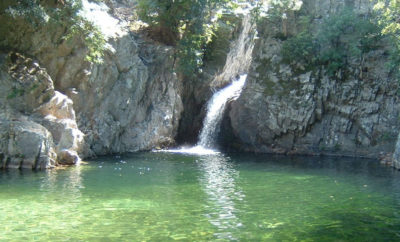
x=388 y=17
x=279 y=8
x=15 y=92
x=184 y=23
x=344 y=36
x=216 y=51
x=62 y=13
x=190 y=53
x=341 y=37
x=31 y=10
x=301 y=48
x=92 y=37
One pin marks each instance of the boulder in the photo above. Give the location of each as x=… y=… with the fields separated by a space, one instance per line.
x=58 y=116
x=37 y=122
x=25 y=144
x=68 y=157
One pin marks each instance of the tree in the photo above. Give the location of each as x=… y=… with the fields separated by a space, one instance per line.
x=340 y=37
x=186 y=24
x=389 y=19
x=63 y=13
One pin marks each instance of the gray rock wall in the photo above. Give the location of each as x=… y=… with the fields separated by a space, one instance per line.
x=37 y=123
x=281 y=111
x=396 y=155
x=130 y=102
x=133 y=100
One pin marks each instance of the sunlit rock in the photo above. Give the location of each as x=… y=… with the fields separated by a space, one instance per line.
x=396 y=155
x=37 y=122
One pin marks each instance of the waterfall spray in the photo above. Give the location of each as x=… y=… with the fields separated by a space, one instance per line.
x=238 y=61
x=215 y=111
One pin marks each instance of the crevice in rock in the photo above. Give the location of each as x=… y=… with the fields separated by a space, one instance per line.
x=37 y=159
x=2 y=161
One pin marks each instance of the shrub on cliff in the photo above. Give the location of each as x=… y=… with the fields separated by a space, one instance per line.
x=340 y=38
x=186 y=24
x=388 y=18
x=344 y=36
x=63 y=13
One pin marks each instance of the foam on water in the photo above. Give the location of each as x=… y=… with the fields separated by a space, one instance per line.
x=195 y=150
x=215 y=110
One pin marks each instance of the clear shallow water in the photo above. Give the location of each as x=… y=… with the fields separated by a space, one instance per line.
x=163 y=197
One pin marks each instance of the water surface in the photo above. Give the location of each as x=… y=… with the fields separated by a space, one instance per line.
x=164 y=197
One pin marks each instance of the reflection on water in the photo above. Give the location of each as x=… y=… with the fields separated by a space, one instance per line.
x=195 y=150
x=69 y=184
x=164 y=197
x=40 y=201
x=219 y=183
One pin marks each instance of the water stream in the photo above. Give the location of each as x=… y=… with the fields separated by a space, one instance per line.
x=211 y=125
x=215 y=111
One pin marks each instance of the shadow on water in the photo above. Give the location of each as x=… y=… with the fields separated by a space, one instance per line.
x=365 y=226
x=318 y=163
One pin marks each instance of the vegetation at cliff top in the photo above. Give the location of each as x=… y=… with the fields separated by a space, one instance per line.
x=343 y=37
x=186 y=24
x=339 y=39
x=388 y=18
x=190 y=26
x=64 y=13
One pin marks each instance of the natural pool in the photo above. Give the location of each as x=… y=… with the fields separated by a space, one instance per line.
x=163 y=197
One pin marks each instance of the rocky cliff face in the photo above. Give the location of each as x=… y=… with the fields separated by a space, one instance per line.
x=63 y=107
x=130 y=102
x=286 y=111
x=396 y=155
x=228 y=56
x=38 y=127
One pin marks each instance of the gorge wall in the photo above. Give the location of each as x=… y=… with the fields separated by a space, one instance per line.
x=130 y=102
x=291 y=110
x=65 y=108
x=228 y=55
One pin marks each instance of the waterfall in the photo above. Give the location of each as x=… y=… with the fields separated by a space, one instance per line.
x=215 y=111
x=239 y=57
x=238 y=61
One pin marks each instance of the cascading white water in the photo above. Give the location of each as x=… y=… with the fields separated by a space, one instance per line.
x=215 y=110
x=238 y=61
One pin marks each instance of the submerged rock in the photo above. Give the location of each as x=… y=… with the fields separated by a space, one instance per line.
x=68 y=157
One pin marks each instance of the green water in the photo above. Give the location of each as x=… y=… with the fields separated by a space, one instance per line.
x=164 y=197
